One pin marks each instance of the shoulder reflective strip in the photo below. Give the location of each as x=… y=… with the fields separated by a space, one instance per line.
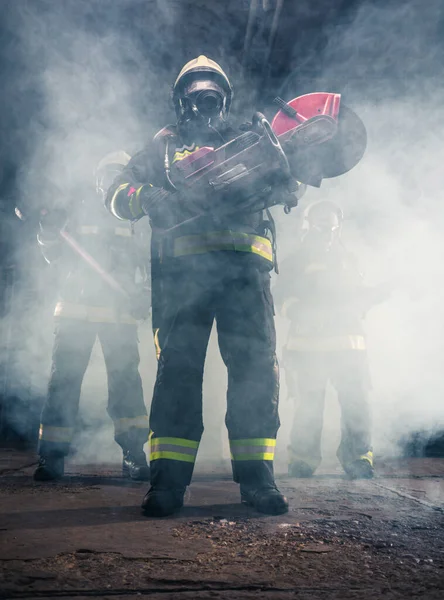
x=315 y=267
x=326 y=344
x=88 y=229
x=223 y=240
x=180 y=155
x=112 y=206
x=157 y=343
x=55 y=434
x=172 y=456
x=92 y=314
x=125 y=424
x=287 y=305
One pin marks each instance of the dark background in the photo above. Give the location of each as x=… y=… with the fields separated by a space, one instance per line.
x=268 y=47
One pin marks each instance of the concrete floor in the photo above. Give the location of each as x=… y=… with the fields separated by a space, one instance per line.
x=86 y=537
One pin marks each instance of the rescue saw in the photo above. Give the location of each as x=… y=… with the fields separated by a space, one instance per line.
x=311 y=138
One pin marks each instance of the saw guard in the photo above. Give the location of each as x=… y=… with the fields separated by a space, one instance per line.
x=323 y=139
x=320 y=104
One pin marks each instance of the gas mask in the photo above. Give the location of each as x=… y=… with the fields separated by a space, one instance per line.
x=323 y=223
x=202 y=97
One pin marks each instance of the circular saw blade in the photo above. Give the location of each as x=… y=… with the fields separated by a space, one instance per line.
x=346 y=148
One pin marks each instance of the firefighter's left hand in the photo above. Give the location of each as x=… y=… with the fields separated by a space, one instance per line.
x=293 y=193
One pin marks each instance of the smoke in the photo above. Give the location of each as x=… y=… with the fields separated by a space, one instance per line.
x=97 y=80
x=100 y=74
x=393 y=210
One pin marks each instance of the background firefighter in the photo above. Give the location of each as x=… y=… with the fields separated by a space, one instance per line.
x=87 y=309
x=210 y=268
x=321 y=292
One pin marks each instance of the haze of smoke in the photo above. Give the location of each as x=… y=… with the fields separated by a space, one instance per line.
x=391 y=203
x=393 y=216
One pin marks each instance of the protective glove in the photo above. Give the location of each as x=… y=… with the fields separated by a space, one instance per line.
x=164 y=209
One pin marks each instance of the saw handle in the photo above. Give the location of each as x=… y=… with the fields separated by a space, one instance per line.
x=263 y=127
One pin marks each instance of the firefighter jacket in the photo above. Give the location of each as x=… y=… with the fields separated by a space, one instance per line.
x=322 y=293
x=240 y=233
x=83 y=294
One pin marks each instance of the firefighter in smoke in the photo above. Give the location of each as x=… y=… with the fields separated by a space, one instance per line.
x=209 y=268
x=89 y=309
x=321 y=292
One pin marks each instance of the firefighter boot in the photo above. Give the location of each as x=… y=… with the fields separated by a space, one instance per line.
x=135 y=466
x=50 y=468
x=161 y=501
x=360 y=469
x=300 y=469
x=265 y=499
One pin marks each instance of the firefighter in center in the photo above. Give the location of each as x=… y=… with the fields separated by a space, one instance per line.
x=210 y=268
x=322 y=294
x=87 y=309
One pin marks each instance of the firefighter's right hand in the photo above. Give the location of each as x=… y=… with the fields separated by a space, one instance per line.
x=164 y=209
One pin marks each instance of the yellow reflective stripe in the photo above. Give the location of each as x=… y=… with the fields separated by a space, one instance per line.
x=174 y=442
x=253 y=456
x=94 y=229
x=92 y=314
x=134 y=203
x=253 y=449
x=122 y=232
x=173 y=448
x=172 y=456
x=60 y=435
x=157 y=343
x=112 y=205
x=326 y=344
x=368 y=457
x=86 y=229
x=125 y=424
x=181 y=155
x=254 y=442
x=287 y=305
x=223 y=240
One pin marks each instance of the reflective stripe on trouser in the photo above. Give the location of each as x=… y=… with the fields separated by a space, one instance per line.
x=55 y=439
x=223 y=240
x=252 y=449
x=92 y=314
x=171 y=448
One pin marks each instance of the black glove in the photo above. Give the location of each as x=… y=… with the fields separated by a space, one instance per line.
x=165 y=209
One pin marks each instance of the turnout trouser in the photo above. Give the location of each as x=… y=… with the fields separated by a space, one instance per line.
x=348 y=372
x=235 y=291
x=73 y=344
